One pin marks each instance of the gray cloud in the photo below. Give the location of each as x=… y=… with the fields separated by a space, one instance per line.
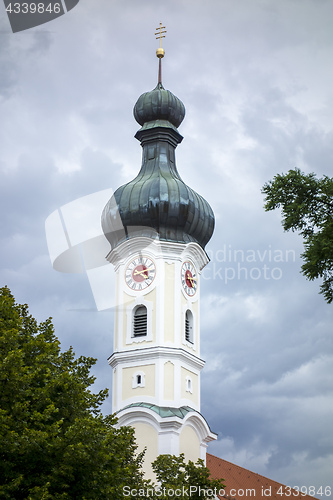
x=256 y=81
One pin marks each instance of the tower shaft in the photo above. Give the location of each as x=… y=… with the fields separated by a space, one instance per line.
x=158 y=227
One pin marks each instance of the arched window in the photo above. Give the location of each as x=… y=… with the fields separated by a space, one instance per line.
x=189 y=326
x=140 y=322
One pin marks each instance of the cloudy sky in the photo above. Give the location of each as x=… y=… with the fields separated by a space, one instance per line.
x=256 y=78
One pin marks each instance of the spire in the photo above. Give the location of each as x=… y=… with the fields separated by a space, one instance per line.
x=160 y=52
x=157 y=197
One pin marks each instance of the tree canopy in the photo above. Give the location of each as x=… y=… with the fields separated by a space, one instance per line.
x=55 y=443
x=178 y=479
x=307 y=207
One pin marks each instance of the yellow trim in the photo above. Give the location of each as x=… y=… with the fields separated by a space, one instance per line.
x=189 y=444
x=193 y=396
x=146 y=437
x=147 y=390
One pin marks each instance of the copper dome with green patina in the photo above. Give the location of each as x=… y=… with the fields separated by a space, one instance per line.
x=159 y=104
x=158 y=199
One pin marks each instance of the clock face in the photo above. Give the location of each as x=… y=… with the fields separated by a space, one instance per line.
x=140 y=273
x=189 y=278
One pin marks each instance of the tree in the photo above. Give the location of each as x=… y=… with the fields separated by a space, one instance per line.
x=180 y=480
x=55 y=443
x=307 y=207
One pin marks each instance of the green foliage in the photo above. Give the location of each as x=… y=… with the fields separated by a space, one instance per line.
x=55 y=443
x=307 y=207
x=181 y=480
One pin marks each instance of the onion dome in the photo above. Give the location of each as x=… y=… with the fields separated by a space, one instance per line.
x=159 y=104
x=158 y=200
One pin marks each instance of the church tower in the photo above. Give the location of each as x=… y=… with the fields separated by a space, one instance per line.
x=158 y=227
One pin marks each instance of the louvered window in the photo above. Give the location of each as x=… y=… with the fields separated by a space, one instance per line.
x=140 y=322
x=189 y=326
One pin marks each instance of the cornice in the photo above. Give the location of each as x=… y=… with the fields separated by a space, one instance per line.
x=158 y=248
x=159 y=130
x=154 y=353
x=130 y=414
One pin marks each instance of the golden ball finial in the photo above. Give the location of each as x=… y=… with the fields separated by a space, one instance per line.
x=160 y=52
x=160 y=32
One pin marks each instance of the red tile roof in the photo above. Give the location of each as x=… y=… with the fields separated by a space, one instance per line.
x=242 y=484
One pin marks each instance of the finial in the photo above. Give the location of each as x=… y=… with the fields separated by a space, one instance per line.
x=160 y=32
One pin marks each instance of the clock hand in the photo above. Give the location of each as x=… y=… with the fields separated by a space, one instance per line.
x=141 y=272
x=191 y=280
x=136 y=272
